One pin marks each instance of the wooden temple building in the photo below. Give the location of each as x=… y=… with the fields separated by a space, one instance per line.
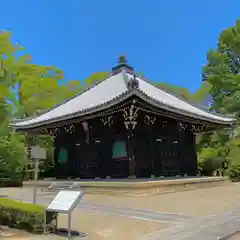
x=124 y=126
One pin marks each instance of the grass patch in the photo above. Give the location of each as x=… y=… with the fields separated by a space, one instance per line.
x=18 y=205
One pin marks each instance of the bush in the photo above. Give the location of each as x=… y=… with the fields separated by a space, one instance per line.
x=6 y=182
x=208 y=161
x=234 y=172
x=14 y=181
x=234 y=161
x=26 y=216
x=12 y=158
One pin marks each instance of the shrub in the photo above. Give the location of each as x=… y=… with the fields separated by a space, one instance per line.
x=25 y=216
x=12 y=157
x=234 y=160
x=13 y=181
x=208 y=161
x=6 y=182
x=234 y=172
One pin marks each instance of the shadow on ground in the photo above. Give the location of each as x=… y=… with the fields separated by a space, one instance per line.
x=63 y=232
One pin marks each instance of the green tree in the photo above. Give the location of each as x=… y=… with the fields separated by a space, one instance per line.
x=42 y=87
x=222 y=73
x=233 y=155
x=25 y=90
x=12 y=151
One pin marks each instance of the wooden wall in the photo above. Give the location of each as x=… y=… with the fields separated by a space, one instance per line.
x=158 y=148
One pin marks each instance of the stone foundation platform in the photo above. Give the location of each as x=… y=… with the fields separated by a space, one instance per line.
x=130 y=187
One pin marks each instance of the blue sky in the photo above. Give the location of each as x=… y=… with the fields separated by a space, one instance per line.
x=165 y=40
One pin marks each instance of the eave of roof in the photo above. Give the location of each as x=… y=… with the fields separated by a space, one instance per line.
x=121 y=93
x=184 y=107
x=111 y=91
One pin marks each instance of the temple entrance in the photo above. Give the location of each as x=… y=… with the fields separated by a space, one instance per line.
x=87 y=160
x=61 y=156
x=120 y=158
x=142 y=156
x=167 y=157
x=131 y=157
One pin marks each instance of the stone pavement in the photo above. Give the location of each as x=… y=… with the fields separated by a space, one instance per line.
x=197 y=214
x=143 y=214
x=206 y=228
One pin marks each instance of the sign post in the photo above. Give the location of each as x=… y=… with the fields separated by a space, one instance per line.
x=35 y=181
x=64 y=202
x=37 y=153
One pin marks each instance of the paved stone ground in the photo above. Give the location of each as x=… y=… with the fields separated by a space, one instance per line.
x=205 y=214
x=141 y=213
x=207 y=228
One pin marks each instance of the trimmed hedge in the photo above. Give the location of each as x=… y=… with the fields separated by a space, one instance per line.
x=10 y=183
x=26 y=216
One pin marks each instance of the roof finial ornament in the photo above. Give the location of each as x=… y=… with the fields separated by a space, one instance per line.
x=122 y=59
x=122 y=64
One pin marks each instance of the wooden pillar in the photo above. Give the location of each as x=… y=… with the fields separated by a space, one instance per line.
x=152 y=152
x=194 y=156
x=183 y=158
x=56 y=150
x=132 y=163
x=108 y=152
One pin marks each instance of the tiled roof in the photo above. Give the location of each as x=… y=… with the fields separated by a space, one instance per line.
x=114 y=89
x=175 y=103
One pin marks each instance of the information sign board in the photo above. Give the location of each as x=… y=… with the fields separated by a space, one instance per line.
x=65 y=201
x=38 y=152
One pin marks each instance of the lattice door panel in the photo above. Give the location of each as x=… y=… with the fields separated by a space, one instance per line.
x=88 y=164
x=170 y=157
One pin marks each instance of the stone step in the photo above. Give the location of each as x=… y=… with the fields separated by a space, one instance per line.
x=57 y=186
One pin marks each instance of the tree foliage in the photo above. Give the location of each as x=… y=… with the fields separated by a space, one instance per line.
x=26 y=89
x=222 y=72
x=200 y=97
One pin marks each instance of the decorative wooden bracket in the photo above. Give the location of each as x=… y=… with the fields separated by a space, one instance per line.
x=130 y=115
x=107 y=121
x=149 y=119
x=69 y=128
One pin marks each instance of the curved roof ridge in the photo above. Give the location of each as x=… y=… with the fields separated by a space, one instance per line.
x=65 y=101
x=90 y=101
x=185 y=100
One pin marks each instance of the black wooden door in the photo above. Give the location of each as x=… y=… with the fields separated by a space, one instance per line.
x=170 y=157
x=158 y=148
x=167 y=157
x=142 y=156
x=87 y=162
